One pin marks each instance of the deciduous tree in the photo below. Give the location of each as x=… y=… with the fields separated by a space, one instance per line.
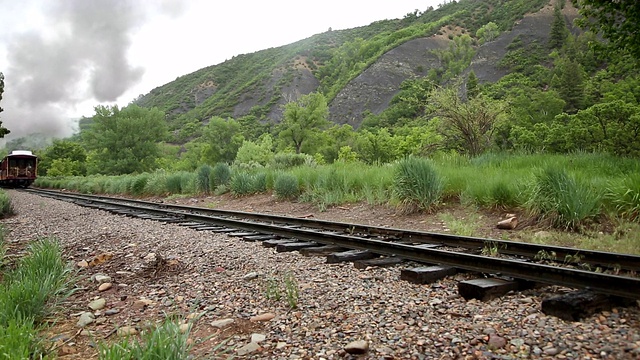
x=467 y=125
x=303 y=119
x=617 y=20
x=124 y=141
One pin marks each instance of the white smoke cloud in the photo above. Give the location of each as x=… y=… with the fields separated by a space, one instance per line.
x=78 y=53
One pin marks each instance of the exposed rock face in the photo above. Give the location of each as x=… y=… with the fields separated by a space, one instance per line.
x=374 y=88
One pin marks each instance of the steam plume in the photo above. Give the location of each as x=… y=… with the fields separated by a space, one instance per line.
x=81 y=55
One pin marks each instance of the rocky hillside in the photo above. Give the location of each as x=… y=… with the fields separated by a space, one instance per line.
x=258 y=84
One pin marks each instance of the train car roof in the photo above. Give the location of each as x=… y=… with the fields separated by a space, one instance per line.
x=21 y=153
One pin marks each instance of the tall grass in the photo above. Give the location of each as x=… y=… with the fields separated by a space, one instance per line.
x=37 y=284
x=563 y=200
x=6 y=208
x=286 y=186
x=165 y=341
x=203 y=179
x=29 y=293
x=221 y=175
x=624 y=197
x=496 y=180
x=417 y=185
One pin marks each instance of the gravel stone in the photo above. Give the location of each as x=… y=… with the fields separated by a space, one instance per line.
x=337 y=304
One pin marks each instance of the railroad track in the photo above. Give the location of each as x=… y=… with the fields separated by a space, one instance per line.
x=611 y=274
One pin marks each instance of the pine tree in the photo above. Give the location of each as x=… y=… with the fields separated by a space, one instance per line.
x=558 y=30
x=472 y=85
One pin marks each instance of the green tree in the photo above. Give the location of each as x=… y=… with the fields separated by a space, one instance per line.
x=618 y=21
x=124 y=141
x=3 y=131
x=223 y=138
x=71 y=157
x=488 y=32
x=472 y=85
x=469 y=125
x=570 y=84
x=558 y=29
x=259 y=152
x=303 y=119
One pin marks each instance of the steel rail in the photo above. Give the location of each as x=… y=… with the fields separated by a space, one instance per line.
x=627 y=287
x=559 y=254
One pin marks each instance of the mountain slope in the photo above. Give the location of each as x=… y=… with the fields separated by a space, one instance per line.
x=359 y=70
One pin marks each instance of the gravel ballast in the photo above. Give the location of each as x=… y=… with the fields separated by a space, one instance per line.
x=243 y=292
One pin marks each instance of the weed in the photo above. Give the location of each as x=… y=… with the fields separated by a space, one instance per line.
x=562 y=199
x=165 y=341
x=273 y=289
x=491 y=248
x=291 y=290
x=545 y=255
x=203 y=179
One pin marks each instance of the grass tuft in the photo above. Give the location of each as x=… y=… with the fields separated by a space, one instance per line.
x=562 y=199
x=416 y=184
x=286 y=186
x=6 y=208
x=165 y=341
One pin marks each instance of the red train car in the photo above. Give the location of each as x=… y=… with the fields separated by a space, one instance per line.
x=18 y=169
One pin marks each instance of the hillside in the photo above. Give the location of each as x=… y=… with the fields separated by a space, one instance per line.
x=359 y=70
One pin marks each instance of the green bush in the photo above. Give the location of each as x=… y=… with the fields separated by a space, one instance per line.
x=260 y=182
x=416 y=184
x=156 y=183
x=289 y=160
x=286 y=186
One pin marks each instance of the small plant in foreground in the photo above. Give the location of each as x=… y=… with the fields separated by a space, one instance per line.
x=490 y=248
x=291 y=289
x=165 y=341
x=6 y=208
x=273 y=290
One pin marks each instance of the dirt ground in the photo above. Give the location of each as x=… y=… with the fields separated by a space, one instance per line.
x=483 y=222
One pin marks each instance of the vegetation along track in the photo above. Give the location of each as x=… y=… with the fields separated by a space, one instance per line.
x=602 y=272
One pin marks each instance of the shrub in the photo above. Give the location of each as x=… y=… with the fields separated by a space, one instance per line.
x=260 y=182
x=286 y=186
x=289 y=160
x=416 y=184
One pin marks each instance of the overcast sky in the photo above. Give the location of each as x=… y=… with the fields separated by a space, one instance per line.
x=61 y=58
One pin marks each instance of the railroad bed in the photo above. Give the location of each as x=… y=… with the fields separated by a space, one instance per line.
x=338 y=302
x=507 y=266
